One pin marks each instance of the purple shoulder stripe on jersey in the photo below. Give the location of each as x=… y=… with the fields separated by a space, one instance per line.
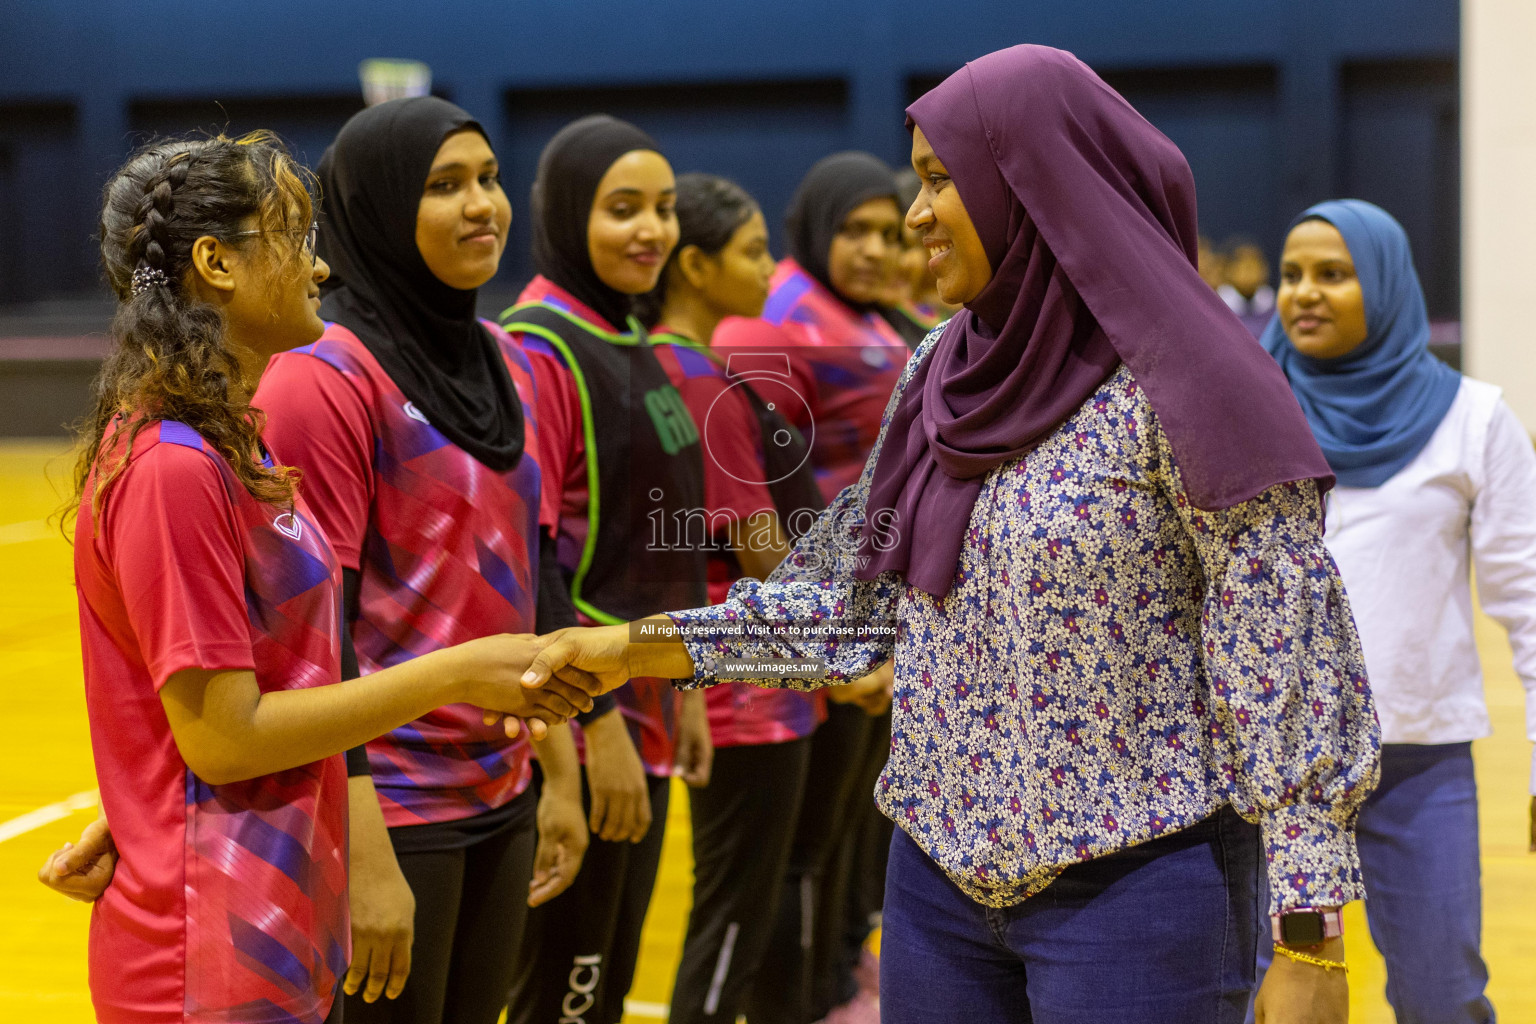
x=694 y=363
x=832 y=375
x=534 y=343
x=557 y=302
x=177 y=432
x=784 y=298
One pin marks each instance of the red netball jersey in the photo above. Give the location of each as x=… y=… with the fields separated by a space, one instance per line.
x=735 y=488
x=844 y=366
x=649 y=705
x=446 y=546
x=230 y=902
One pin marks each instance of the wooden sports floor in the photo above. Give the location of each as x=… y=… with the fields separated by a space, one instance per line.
x=46 y=794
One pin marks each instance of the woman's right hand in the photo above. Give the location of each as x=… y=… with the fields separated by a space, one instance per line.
x=82 y=871
x=491 y=669
x=596 y=653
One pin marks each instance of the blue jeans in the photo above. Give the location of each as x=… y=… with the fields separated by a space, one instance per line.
x=1161 y=933
x=1423 y=884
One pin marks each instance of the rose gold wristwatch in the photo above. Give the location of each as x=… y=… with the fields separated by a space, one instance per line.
x=1306 y=926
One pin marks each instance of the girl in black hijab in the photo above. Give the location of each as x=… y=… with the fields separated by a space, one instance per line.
x=843 y=228
x=570 y=170
x=421 y=329
x=833 y=189
x=603 y=226
x=410 y=420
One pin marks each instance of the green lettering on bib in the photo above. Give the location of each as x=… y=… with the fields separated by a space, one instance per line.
x=670 y=416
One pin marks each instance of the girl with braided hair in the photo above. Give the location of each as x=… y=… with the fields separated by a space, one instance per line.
x=209 y=612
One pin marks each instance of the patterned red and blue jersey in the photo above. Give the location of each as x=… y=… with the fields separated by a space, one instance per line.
x=843 y=367
x=735 y=488
x=229 y=903
x=649 y=705
x=447 y=549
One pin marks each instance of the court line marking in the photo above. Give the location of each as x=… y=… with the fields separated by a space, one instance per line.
x=1524 y=860
x=25 y=531
x=32 y=820
x=651 y=1011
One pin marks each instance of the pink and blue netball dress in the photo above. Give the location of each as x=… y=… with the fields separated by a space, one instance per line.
x=624 y=438
x=844 y=367
x=447 y=549
x=230 y=902
x=735 y=489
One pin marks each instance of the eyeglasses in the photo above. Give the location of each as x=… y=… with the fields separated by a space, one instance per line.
x=311 y=240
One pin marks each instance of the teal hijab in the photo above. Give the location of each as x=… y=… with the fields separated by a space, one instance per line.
x=1375 y=408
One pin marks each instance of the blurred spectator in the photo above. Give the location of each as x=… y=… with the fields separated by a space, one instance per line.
x=1245 y=288
x=1213 y=265
x=1245 y=284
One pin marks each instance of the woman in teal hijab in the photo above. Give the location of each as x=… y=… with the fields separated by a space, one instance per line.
x=1375 y=404
x=1436 y=479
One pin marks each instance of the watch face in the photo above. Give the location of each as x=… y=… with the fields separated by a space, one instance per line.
x=1302 y=929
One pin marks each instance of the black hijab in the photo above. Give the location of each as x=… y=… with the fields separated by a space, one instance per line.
x=570 y=169
x=833 y=188
x=423 y=333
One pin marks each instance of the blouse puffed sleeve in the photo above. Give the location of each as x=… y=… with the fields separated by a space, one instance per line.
x=811 y=610
x=1291 y=718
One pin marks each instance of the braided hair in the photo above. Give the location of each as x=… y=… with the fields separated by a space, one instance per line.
x=170 y=359
x=709 y=211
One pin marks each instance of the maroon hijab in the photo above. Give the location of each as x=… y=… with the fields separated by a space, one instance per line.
x=1087 y=214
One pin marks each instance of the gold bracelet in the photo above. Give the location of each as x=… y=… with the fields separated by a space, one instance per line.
x=1315 y=961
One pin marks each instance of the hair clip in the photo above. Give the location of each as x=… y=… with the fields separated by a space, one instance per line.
x=146 y=278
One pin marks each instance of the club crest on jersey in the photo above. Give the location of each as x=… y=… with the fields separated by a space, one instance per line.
x=289 y=525
x=414 y=413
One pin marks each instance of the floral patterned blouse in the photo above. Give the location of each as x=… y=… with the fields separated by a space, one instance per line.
x=1110 y=664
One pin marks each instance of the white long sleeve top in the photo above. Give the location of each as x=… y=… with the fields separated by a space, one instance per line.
x=1407 y=551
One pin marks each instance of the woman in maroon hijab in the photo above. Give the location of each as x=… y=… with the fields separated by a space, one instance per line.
x=1127 y=678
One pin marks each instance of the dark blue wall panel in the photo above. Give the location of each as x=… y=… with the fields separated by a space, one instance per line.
x=45 y=205
x=1269 y=101
x=1400 y=149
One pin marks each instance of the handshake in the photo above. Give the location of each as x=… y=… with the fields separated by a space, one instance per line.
x=521 y=680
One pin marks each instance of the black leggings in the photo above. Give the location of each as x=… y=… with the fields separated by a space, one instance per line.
x=338 y=1007
x=471 y=902
x=743 y=825
x=859 y=864
x=578 y=955
x=809 y=923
